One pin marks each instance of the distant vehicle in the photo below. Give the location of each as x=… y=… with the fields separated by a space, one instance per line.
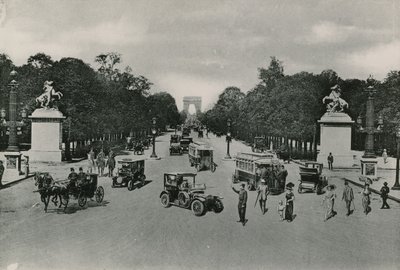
x=246 y=168
x=138 y=149
x=259 y=145
x=184 y=142
x=311 y=178
x=200 y=133
x=175 y=145
x=180 y=189
x=130 y=173
x=201 y=156
x=186 y=131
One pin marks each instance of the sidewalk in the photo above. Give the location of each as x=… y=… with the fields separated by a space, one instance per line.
x=352 y=175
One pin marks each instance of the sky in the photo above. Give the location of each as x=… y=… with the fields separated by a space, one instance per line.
x=192 y=47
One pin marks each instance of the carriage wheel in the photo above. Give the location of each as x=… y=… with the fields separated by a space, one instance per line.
x=99 y=194
x=165 y=200
x=197 y=208
x=130 y=185
x=82 y=200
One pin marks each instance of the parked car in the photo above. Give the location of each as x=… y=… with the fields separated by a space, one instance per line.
x=180 y=189
x=311 y=178
x=130 y=172
x=184 y=142
x=175 y=145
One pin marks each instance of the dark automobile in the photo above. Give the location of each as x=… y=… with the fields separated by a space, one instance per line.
x=186 y=132
x=184 y=142
x=130 y=173
x=180 y=189
x=175 y=145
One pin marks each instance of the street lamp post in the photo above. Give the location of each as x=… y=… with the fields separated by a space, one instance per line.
x=228 y=139
x=396 y=185
x=154 y=132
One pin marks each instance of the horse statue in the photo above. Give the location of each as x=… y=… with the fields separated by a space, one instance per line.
x=47 y=188
x=46 y=99
x=334 y=102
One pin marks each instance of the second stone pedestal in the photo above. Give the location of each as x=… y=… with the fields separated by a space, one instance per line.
x=336 y=139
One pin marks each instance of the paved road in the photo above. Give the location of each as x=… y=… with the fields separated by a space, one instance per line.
x=130 y=230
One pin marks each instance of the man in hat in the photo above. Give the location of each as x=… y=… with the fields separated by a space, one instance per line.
x=348 y=197
x=330 y=161
x=1 y=172
x=384 y=195
x=263 y=192
x=242 y=203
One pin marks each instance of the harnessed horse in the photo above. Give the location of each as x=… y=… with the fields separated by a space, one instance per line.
x=47 y=188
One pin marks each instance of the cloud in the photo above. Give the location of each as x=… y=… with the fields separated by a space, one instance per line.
x=327 y=32
x=377 y=60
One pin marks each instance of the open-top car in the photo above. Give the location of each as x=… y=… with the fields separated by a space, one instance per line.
x=259 y=145
x=180 y=189
x=130 y=172
x=175 y=145
x=311 y=178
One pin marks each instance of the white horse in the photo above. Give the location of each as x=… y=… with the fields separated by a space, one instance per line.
x=50 y=94
x=335 y=102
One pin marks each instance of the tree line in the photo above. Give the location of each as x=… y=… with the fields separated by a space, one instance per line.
x=98 y=102
x=288 y=106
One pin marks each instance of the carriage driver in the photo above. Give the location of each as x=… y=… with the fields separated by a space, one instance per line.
x=81 y=177
x=73 y=178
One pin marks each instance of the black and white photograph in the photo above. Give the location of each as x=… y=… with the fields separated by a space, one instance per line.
x=212 y=134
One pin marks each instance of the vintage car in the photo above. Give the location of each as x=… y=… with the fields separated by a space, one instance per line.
x=184 y=142
x=180 y=189
x=138 y=149
x=201 y=156
x=130 y=172
x=311 y=178
x=246 y=170
x=175 y=145
x=186 y=132
x=259 y=145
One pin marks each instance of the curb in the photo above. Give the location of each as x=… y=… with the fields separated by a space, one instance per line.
x=371 y=189
x=11 y=183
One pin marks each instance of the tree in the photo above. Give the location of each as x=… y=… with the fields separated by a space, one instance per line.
x=272 y=74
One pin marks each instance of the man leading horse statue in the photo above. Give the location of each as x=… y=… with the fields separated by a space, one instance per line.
x=334 y=102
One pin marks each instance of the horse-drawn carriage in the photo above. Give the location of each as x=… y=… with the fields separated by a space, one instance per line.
x=311 y=178
x=85 y=186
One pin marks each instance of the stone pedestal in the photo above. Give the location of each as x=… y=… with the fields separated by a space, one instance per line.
x=46 y=135
x=369 y=169
x=336 y=139
x=13 y=164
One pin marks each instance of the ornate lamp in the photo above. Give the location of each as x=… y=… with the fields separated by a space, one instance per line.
x=396 y=185
x=154 y=132
x=228 y=139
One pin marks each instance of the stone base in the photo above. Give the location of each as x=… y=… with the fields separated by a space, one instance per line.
x=339 y=161
x=12 y=163
x=154 y=158
x=369 y=170
x=44 y=156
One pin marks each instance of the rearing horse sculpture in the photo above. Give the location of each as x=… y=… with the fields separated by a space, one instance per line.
x=46 y=99
x=335 y=102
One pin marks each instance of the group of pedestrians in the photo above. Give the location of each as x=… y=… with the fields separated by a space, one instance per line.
x=101 y=161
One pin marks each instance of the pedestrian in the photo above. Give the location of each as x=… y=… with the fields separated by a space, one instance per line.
x=111 y=163
x=281 y=209
x=348 y=197
x=242 y=203
x=282 y=176
x=366 y=200
x=1 y=172
x=91 y=163
x=289 y=202
x=100 y=161
x=329 y=200
x=385 y=156
x=330 y=161
x=263 y=192
x=384 y=195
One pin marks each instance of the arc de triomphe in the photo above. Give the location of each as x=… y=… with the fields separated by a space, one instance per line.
x=196 y=101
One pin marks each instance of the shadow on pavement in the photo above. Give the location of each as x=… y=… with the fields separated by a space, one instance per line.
x=73 y=208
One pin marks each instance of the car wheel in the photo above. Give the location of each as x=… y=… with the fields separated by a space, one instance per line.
x=218 y=206
x=197 y=208
x=165 y=200
x=130 y=185
x=99 y=194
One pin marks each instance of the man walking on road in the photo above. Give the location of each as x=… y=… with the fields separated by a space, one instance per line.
x=330 y=161
x=348 y=197
x=384 y=195
x=263 y=192
x=242 y=203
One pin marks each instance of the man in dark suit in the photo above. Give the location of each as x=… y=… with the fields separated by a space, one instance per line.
x=242 y=203
x=384 y=195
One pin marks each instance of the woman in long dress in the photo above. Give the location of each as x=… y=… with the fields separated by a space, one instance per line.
x=91 y=163
x=111 y=163
x=100 y=162
x=329 y=201
x=366 y=200
x=289 y=202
